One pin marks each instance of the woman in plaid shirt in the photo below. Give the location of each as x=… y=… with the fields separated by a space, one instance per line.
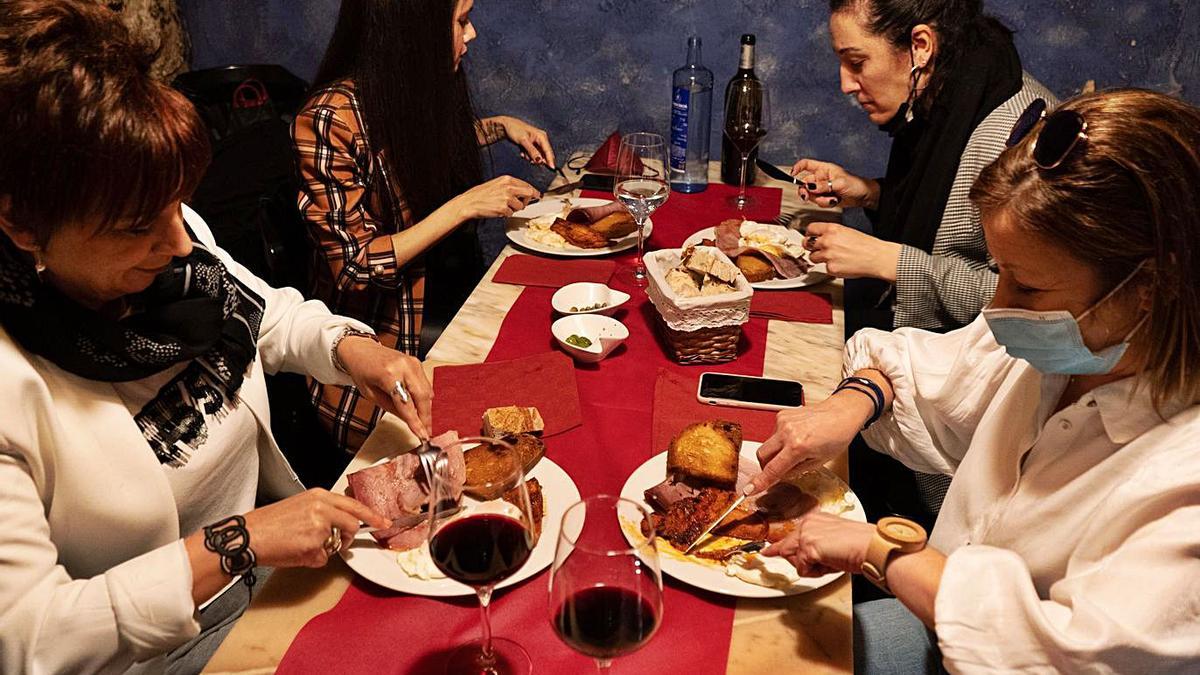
x=388 y=150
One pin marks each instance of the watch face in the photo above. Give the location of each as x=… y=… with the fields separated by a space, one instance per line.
x=902 y=531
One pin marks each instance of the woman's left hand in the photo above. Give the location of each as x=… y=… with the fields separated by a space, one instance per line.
x=376 y=369
x=824 y=543
x=850 y=254
x=534 y=143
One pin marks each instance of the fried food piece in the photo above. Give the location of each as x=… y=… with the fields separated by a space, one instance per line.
x=614 y=225
x=511 y=419
x=487 y=470
x=755 y=268
x=706 y=453
x=687 y=518
x=537 y=504
x=579 y=235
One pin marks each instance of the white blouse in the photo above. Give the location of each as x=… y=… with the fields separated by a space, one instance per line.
x=1073 y=538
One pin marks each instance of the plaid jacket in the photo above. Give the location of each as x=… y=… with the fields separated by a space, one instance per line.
x=351 y=215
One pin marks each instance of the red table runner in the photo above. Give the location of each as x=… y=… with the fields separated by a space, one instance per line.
x=530 y=270
x=545 y=381
x=374 y=629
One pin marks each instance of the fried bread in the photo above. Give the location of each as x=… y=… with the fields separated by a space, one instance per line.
x=486 y=468
x=706 y=453
x=755 y=267
x=579 y=234
x=511 y=420
x=537 y=504
x=614 y=225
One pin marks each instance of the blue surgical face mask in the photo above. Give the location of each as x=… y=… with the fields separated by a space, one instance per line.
x=1052 y=341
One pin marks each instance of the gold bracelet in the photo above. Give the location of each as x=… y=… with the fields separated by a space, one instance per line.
x=348 y=331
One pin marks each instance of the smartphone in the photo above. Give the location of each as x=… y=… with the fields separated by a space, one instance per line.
x=746 y=391
x=596 y=181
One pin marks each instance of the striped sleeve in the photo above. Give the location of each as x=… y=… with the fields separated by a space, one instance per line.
x=333 y=197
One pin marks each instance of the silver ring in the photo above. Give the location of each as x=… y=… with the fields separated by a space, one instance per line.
x=400 y=391
x=333 y=543
x=831 y=186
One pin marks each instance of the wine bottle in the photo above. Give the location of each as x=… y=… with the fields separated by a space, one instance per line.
x=691 y=115
x=731 y=159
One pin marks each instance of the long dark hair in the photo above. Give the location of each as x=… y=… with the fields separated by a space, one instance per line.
x=957 y=23
x=399 y=54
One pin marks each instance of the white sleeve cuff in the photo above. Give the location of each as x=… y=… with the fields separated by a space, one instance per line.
x=151 y=597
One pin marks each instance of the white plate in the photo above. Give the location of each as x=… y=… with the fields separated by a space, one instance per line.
x=366 y=557
x=710 y=575
x=517 y=234
x=815 y=275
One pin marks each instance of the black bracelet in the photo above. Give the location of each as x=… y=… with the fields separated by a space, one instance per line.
x=230 y=540
x=871 y=391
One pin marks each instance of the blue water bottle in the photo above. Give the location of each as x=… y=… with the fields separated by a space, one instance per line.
x=691 y=115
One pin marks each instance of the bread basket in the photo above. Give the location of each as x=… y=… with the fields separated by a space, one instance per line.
x=695 y=330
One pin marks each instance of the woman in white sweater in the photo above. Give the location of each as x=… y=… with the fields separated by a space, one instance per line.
x=1068 y=414
x=135 y=437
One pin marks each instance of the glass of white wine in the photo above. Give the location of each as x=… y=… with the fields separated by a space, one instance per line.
x=642 y=185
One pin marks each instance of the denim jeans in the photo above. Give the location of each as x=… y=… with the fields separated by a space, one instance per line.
x=890 y=640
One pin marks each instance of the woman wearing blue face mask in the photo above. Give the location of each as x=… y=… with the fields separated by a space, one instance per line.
x=1069 y=415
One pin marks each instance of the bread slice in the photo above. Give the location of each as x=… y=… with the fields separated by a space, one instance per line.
x=511 y=420
x=706 y=453
x=755 y=268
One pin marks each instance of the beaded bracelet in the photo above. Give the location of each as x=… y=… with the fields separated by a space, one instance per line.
x=230 y=540
x=869 y=389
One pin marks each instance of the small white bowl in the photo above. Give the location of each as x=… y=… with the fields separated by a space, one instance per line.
x=587 y=294
x=604 y=332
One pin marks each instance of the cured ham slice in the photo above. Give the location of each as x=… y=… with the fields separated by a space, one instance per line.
x=398 y=488
x=729 y=234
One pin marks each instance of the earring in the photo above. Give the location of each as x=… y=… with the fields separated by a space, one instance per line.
x=38 y=265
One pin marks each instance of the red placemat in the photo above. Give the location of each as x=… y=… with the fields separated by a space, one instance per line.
x=545 y=381
x=373 y=629
x=528 y=270
x=684 y=215
x=675 y=406
x=800 y=306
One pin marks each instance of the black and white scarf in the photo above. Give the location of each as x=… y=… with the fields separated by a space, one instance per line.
x=196 y=313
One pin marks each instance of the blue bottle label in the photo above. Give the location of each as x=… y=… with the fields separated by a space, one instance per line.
x=679 y=128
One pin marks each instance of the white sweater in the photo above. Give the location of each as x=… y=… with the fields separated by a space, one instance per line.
x=93 y=572
x=1074 y=537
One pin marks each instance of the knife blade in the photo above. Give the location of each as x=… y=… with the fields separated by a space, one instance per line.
x=410 y=520
x=736 y=503
x=562 y=189
x=775 y=172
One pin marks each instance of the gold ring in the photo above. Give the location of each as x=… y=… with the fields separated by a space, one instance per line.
x=333 y=543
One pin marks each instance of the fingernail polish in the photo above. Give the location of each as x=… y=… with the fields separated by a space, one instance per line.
x=835 y=201
x=804 y=197
x=812 y=186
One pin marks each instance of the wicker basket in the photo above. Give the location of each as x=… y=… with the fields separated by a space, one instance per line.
x=696 y=330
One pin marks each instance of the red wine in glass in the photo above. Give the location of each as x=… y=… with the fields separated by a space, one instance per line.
x=481 y=550
x=489 y=542
x=605 y=622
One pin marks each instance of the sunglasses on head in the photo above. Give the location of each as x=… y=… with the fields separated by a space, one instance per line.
x=1061 y=132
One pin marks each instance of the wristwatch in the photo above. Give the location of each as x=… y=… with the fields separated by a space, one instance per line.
x=892 y=534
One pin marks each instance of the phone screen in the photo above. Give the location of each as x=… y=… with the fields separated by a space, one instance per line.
x=751 y=389
x=595 y=181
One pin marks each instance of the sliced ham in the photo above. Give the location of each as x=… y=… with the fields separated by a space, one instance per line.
x=397 y=488
x=662 y=496
x=728 y=235
x=590 y=214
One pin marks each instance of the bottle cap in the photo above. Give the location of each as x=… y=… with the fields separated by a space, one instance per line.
x=747 y=38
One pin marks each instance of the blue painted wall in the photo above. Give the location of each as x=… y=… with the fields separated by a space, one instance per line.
x=581 y=68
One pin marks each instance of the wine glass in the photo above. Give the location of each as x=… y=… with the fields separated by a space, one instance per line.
x=642 y=185
x=605 y=593
x=482 y=544
x=747 y=115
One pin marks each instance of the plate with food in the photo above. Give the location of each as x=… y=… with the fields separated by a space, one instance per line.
x=696 y=479
x=772 y=257
x=399 y=559
x=574 y=227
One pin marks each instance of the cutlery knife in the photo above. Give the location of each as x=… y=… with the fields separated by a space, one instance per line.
x=775 y=172
x=410 y=520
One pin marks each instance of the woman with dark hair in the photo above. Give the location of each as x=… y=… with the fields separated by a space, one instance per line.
x=945 y=82
x=389 y=156
x=135 y=435
x=1069 y=415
